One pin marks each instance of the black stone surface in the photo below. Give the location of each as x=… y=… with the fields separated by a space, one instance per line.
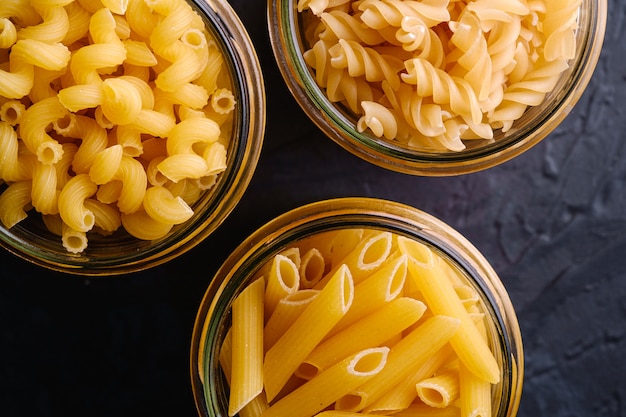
x=552 y=222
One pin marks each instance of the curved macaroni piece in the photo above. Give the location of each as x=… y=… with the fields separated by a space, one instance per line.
x=106 y=51
x=139 y=53
x=9 y=163
x=32 y=129
x=44 y=192
x=14 y=201
x=25 y=55
x=222 y=101
x=93 y=141
x=134 y=182
x=78 y=26
x=71 y=203
x=21 y=11
x=378 y=14
x=74 y=241
x=52 y=29
x=107 y=217
x=122 y=101
x=162 y=206
x=140 y=225
x=180 y=166
x=141 y=18
x=191 y=132
x=8 y=33
x=106 y=164
x=500 y=11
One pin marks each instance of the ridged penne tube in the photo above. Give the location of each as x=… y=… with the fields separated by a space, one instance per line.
x=246 y=381
x=44 y=189
x=440 y=390
x=475 y=394
x=283 y=279
x=71 y=203
x=381 y=287
x=312 y=267
x=403 y=394
x=371 y=330
x=333 y=245
x=134 y=181
x=140 y=225
x=441 y=297
x=282 y=359
x=13 y=200
x=320 y=392
x=73 y=241
x=285 y=314
x=365 y=257
x=258 y=404
x=162 y=206
x=33 y=133
x=423 y=410
x=406 y=356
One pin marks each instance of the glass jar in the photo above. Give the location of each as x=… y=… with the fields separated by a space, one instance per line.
x=122 y=253
x=214 y=319
x=286 y=30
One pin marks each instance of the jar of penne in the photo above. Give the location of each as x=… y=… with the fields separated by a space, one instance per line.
x=437 y=87
x=355 y=307
x=129 y=130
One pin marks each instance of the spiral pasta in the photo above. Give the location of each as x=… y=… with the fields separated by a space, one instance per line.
x=448 y=72
x=95 y=96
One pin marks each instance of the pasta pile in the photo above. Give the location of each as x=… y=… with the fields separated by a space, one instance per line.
x=113 y=115
x=358 y=322
x=434 y=74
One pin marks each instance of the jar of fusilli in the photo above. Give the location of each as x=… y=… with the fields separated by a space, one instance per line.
x=437 y=87
x=356 y=306
x=128 y=135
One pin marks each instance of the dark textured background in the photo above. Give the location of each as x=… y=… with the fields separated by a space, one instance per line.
x=552 y=223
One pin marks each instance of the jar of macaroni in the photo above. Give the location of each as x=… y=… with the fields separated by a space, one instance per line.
x=436 y=88
x=157 y=117
x=356 y=305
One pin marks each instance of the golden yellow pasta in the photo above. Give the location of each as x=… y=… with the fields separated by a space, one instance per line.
x=283 y=358
x=435 y=75
x=121 y=83
x=307 y=341
x=247 y=346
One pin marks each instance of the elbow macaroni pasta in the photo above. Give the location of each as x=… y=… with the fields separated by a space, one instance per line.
x=114 y=114
x=447 y=72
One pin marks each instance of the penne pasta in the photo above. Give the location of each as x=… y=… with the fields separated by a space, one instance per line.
x=318 y=393
x=372 y=330
x=285 y=314
x=283 y=358
x=247 y=346
x=441 y=297
x=283 y=279
x=440 y=390
x=406 y=356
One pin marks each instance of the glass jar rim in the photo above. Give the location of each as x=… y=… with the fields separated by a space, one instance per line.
x=341 y=213
x=284 y=32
